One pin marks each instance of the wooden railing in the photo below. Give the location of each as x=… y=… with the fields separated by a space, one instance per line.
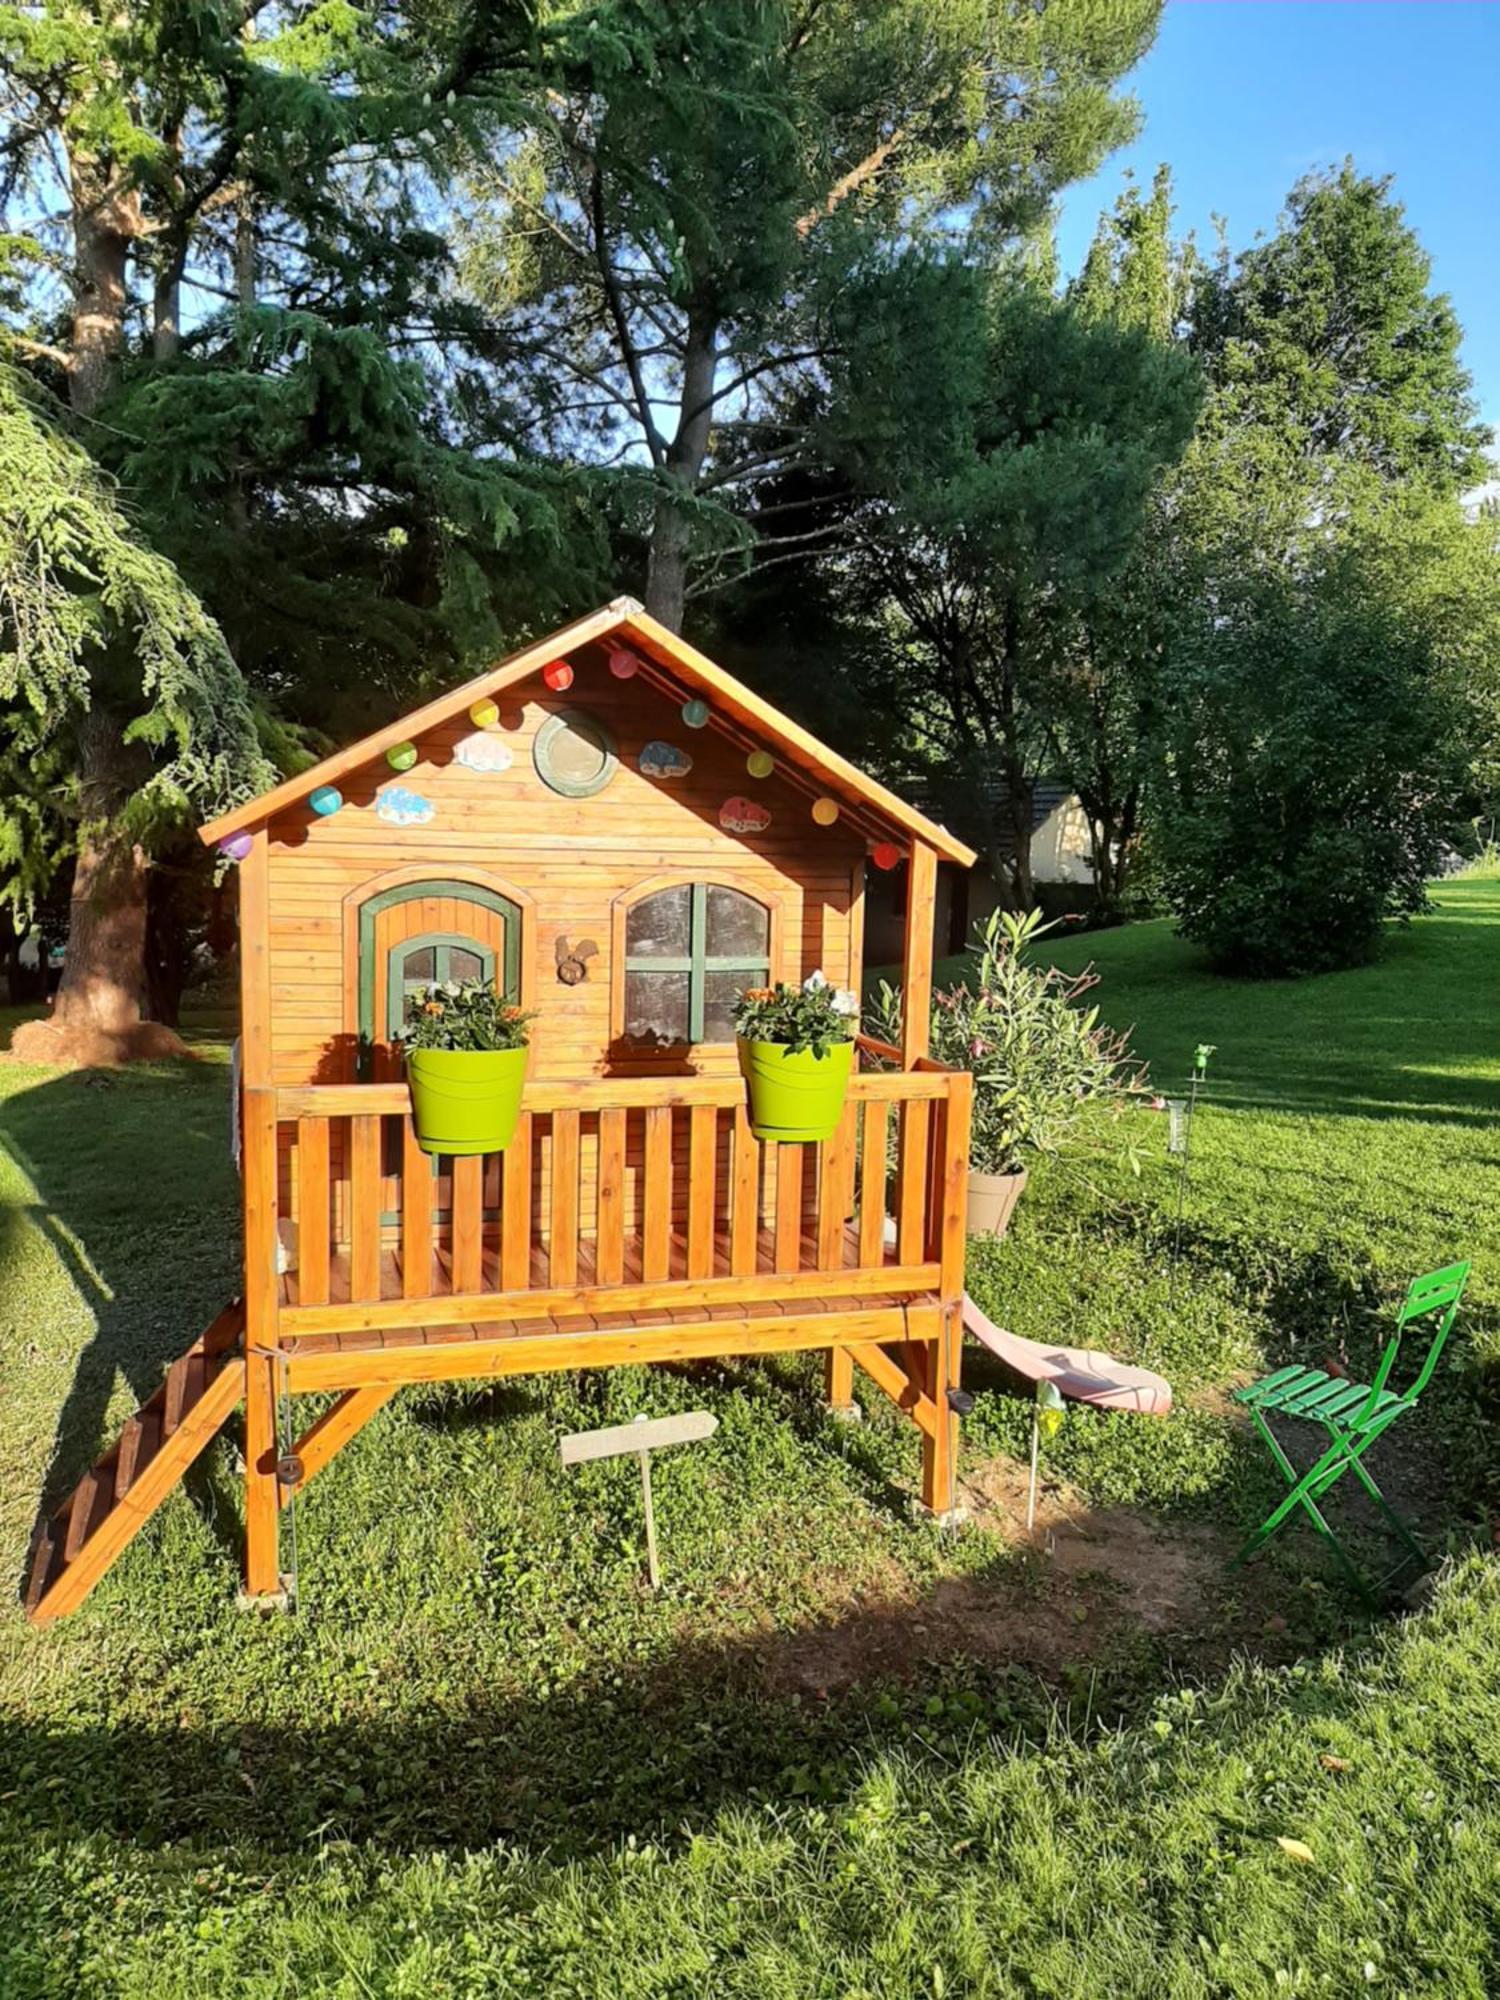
x=632 y=1194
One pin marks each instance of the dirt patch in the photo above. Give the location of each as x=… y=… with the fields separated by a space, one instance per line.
x=92 y=1048
x=1084 y=1582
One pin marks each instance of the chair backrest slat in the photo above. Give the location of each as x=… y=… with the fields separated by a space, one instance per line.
x=1434 y=1292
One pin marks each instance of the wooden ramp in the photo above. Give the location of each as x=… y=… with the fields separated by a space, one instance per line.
x=115 y=1498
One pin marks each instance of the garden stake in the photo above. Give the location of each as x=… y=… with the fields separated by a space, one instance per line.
x=1047 y=1413
x=1180 y=1141
x=641 y=1437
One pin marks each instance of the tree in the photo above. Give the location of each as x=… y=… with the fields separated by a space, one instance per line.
x=662 y=246
x=1317 y=747
x=1330 y=336
x=217 y=253
x=104 y=650
x=1106 y=698
x=1006 y=443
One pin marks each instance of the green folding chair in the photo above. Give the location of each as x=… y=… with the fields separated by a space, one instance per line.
x=1354 y=1414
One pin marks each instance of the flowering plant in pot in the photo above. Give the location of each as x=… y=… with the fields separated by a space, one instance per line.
x=1039 y=1058
x=796 y=1047
x=466 y=1064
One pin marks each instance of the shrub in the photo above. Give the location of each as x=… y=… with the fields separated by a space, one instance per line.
x=470 y=1015
x=1038 y=1057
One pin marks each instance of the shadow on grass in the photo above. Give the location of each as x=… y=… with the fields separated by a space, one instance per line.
x=645 y=1749
x=134 y=1196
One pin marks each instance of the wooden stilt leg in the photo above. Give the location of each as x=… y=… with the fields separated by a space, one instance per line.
x=838 y=1381
x=940 y=1448
x=262 y=1508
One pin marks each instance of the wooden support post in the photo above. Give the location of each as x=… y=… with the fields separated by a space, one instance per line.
x=916 y=957
x=258 y=1167
x=940 y=1444
x=838 y=1382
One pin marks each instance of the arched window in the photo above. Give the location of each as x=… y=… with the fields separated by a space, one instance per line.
x=690 y=951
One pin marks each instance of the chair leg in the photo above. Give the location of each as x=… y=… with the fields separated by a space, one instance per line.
x=1317 y=1479
x=1414 y=1547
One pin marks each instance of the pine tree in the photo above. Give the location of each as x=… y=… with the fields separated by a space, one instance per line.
x=115 y=684
x=1330 y=336
x=663 y=244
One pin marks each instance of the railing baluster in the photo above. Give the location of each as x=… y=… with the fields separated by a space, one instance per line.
x=313 y=1221
x=656 y=1201
x=468 y=1221
x=703 y=1189
x=745 y=1198
x=873 y=1143
x=563 y=1257
x=789 y=1176
x=416 y=1215
x=364 y=1208
x=515 y=1211
x=835 y=1190
x=911 y=1190
x=610 y=1240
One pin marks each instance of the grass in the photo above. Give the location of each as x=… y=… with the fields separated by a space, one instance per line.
x=839 y=1754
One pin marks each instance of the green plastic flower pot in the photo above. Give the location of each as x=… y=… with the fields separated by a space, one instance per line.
x=466 y=1100
x=795 y=1098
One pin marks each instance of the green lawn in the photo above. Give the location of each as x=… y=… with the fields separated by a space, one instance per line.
x=839 y=1755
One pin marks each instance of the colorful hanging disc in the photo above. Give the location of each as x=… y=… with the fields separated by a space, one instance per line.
x=760 y=763
x=236 y=847
x=623 y=665
x=325 y=800
x=695 y=713
x=885 y=854
x=559 y=676
x=401 y=756
x=484 y=714
x=825 y=810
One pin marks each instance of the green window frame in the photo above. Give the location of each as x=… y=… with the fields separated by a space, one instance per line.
x=442 y=945
x=407 y=892
x=697 y=962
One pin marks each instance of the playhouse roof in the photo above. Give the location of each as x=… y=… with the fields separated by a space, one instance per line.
x=670 y=662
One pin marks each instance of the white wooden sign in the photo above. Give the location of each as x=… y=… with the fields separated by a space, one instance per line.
x=645 y=1435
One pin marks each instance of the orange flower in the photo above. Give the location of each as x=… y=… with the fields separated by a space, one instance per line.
x=433 y=1007
x=760 y=993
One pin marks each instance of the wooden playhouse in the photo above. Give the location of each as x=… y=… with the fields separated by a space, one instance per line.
x=622 y=836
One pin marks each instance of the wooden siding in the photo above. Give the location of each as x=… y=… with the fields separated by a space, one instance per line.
x=567 y=861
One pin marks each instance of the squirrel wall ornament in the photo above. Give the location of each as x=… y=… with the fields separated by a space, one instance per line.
x=572 y=960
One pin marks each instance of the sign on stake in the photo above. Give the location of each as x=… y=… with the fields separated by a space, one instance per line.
x=645 y=1435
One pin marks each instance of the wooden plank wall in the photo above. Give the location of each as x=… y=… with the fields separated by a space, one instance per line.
x=567 y=861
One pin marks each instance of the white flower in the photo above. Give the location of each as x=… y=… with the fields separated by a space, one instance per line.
x=814 y=982
x=845 y=1002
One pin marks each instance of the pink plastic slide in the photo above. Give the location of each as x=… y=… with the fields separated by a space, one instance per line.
x=1079 y=1373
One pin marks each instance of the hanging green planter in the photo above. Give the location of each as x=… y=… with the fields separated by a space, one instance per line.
x=795 y=1096
x=466 y=1100
x=796 y=1051
x=466 y=1066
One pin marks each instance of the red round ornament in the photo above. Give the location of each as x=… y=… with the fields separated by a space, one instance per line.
x=885 y=854
x=559 y=676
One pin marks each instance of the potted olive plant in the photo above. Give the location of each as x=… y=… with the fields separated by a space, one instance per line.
x=1038 y=1057
x=466 y=1064
x=796 y=1045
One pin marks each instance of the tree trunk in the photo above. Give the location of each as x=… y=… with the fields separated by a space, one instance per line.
x=106 y=221
x=671 y=530
x=98 y=1015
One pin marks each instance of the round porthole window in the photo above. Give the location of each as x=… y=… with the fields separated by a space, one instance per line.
x=574 y=754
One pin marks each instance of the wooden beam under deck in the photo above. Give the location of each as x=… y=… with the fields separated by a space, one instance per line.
x=536 y=1345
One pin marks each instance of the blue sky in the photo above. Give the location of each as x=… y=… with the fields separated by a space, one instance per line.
x=1242 y=96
